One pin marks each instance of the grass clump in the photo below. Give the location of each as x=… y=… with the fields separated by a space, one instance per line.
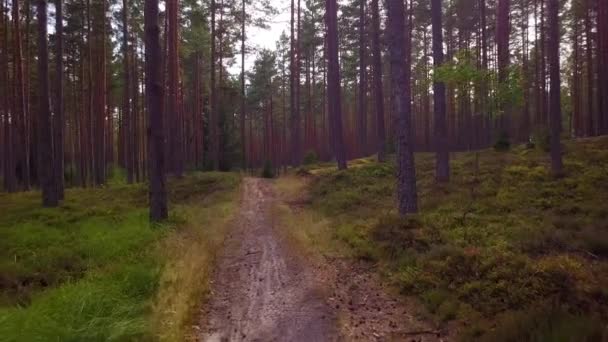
x=92 y=269
x=502 y=238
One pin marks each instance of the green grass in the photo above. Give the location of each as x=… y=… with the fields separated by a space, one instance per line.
x=502 y=244
x=93 y=269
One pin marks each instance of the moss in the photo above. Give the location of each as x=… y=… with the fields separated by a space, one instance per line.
x=502 y=237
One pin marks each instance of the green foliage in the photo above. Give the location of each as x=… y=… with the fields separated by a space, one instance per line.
x=310 y=158
x=543 y=324
x=268 y=170
x=542 y=139
x=460 y=70
x=503 y=143
x=501 y=239
x=89 y=269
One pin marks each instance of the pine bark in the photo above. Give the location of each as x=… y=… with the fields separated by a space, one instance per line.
x=45 y=131
x=502 y=47
x=293 y=105
x=126 y=107
x=242 y=125
x=442 y=167
x=398 y=50
x=154 y=95
x=333 y=84
x=175 y=125
x=362 y=105
x=377 y=80
x=58 y=142
x=22 y=164
x=554 y=95
x=214 y=113
x=602 y=53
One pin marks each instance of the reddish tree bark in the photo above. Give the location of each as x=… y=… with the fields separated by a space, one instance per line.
x=294 y=83
x=442 y=167
x=173 y=115
x=333 y=84
x=154 y=95
x=21 y=153
x=45 y=131
x=377 y=80
x=59 y=106
x=126 y=107
x=362 y=105
x=554 y=95
x=602 y=53
x=398 y=50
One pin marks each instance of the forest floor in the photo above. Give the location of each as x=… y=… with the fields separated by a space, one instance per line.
x=266 y=288
x=94 y=269
x=503 y=252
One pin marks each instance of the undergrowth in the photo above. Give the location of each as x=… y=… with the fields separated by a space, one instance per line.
x=504 y=248
x=93 y=268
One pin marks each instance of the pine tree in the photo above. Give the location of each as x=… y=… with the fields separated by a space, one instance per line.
x=154 y=95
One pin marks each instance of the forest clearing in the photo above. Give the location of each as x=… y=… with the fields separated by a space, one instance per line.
x=318 y=170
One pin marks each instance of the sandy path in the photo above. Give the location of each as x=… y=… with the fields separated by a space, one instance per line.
x=261 y=291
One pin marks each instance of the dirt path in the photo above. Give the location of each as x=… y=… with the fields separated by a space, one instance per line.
x=264 y=291
x=261 y=292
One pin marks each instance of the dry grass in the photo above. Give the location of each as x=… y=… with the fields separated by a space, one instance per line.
x=190 y=253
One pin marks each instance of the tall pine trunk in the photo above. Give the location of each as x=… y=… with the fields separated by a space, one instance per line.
x=442 y=167
x=21 y=156
x=399 y=62
x=362 y=106
x=59 y=106
x=126 y=107
x=333 y=84
x=242 y=126
x=602 y=53
x=45 y=131
x=554 y=95
x=294 y=83
x=154 y=95
x=377 y=80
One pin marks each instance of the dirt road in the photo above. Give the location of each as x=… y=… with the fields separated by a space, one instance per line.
x=262 y=290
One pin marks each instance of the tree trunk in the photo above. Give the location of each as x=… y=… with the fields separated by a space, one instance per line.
x=22 y=165
x=154 y=94
x=59 y=115
x=398 y=49
x=602 y=53
x=333 y=83
x=45 y=131
x=377 y=79
x=126 y=108
x=589 y=38
x=176 y=162
x=554 y=95
x=99 y=92
x=442 y=170
x=295 y=118
x=502 y=47
x=242 y=126
x=213 y=120
x=362 y=108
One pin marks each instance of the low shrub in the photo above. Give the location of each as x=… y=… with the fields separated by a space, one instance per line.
x=268 y=170
x=310 y=158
